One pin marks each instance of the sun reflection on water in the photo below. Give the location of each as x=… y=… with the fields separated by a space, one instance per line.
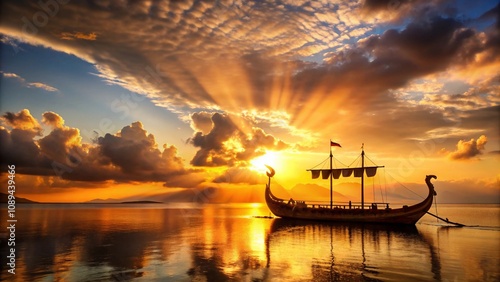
x=226 y=243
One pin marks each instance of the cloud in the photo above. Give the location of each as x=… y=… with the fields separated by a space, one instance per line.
x=131 y=155
x=59 y=144
x=134 y=151
x=419 y=49
x=481 y=95
x=468 y=149
x=22 y=120
x=12 y=75
x=483 y=119
x=29 y=84
x=172 y=69
x=9 y=41
x=78 y=35
x=18 y=145
x=53 y=119
x=298 y=59
x=397 y=11
x=42 y=86
x=231 y=141
x=202 y=122
x=213 y=151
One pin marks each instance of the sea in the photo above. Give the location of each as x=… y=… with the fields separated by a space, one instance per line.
x=240 y=242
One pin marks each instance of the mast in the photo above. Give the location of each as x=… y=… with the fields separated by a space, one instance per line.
x=362 y=176
x=331 y=177
x=346 y=172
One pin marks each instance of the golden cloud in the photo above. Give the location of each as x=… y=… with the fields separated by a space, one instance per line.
x=78 y=35
x=468 y=149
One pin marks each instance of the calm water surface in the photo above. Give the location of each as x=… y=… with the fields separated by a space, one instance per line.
x=183 y=242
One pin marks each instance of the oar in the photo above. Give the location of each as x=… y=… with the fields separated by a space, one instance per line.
x=446 y=220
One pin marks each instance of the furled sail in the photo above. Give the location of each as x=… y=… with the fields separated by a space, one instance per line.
x=371 y=171
x=337 y=173
x=345 y=172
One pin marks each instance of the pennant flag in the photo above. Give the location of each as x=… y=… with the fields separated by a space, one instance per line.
x=335 y=144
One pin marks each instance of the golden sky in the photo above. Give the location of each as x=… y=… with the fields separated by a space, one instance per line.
x=135 y=99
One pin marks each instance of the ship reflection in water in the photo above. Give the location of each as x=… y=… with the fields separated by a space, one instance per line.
x=335 y=252
x=226 y=243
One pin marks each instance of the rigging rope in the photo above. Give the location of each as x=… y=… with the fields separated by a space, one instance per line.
x=354 y=161
x=370 y=160
x=373 y=189
x=321 y=163
x=435 y=205
x=339 y=161
x=380 y=187
x=324 y=162
x=405 y=186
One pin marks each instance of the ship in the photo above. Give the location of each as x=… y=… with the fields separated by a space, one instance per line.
x=350 y=212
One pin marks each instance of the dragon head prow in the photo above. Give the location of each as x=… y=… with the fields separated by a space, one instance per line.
x=271 y=171
x=429 y=184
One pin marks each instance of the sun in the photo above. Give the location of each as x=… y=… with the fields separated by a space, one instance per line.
x=270 y=158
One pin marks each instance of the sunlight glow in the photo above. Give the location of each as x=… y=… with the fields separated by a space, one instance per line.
x=270 y=158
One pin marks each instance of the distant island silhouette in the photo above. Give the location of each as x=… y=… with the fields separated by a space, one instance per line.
x=5 y=197
x=141 y=202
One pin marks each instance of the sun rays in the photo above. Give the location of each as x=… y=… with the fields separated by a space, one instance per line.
x=270 y=158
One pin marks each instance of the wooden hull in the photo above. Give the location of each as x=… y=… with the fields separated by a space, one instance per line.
x=405 y=215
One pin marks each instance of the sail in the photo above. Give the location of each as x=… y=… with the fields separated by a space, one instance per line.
x=346 y=172
x=370 y=171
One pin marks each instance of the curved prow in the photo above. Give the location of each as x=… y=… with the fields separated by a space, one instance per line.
x=271 y=171
x=429 y=184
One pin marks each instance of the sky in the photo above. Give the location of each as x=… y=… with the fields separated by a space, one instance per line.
x=132 y=99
